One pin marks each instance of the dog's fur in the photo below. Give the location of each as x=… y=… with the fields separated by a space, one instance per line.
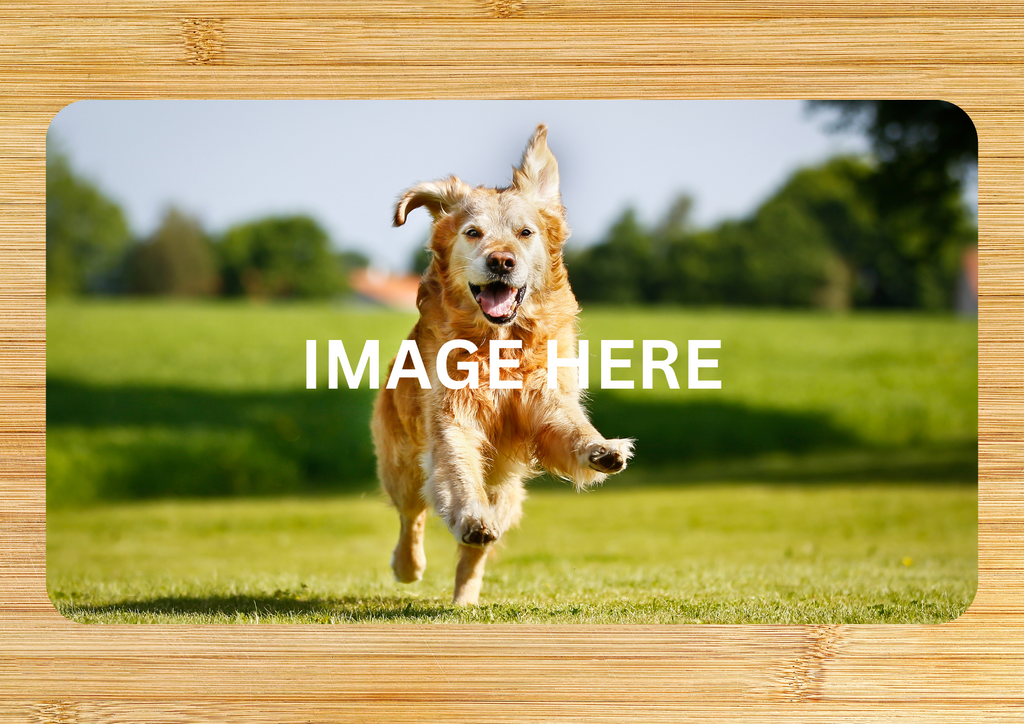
x=467 y=451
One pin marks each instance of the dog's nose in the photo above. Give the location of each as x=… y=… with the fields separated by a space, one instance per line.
x=501 y=262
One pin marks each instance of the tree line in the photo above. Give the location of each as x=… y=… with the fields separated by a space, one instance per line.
x=884 y=231
x=90 y=250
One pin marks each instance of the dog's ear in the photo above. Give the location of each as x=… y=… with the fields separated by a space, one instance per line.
x=440 y=197
x=537 y=175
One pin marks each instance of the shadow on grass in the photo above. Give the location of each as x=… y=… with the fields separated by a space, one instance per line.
x=138 y=441
x=134 y=441
x=952 y=464
x=285 y=609
x=252 y=609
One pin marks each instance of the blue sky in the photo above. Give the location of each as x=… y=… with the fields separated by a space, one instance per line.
x=346 y=162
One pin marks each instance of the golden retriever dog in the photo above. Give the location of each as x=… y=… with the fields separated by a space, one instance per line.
x=496 y=274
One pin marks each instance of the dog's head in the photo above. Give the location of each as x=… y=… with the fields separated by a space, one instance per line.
x=496 y=250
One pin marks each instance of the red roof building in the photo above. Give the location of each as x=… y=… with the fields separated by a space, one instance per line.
x=397 y=291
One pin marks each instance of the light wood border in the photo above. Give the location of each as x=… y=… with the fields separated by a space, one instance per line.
x=53 y=52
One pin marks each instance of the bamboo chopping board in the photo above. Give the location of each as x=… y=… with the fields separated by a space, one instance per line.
x=54 y=52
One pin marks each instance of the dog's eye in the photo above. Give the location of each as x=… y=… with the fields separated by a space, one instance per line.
x=525 y=232
x=473 y=233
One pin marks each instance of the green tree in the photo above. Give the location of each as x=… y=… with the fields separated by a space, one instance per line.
x=840 y=215
x=350 y=259
x=833 y=235
x=923 y=150
x=177 y=260
x=677 y=220
x=932 y=133
x=618 y=269
x=86 y=233
x=791 y=259
x=288 y=256
x=781 y=256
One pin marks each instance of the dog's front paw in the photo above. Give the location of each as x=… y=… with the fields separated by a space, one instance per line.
x=479 y=535
x=475 y=527
x=609 y=456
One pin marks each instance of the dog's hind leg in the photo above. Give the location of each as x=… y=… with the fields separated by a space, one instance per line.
x=401 y=477
x=469 y=574
x=403 y=485
x=409 y=560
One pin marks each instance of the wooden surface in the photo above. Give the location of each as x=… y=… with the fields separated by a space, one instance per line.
x=53 y=52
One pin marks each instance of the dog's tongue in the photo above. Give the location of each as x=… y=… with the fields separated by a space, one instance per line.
x=497 y=300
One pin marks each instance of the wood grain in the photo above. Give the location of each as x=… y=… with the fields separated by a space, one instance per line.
x=53 y=53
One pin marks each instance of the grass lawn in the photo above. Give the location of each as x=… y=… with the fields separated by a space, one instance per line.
x=212 y=396
x=831 y=479
x=628 y=554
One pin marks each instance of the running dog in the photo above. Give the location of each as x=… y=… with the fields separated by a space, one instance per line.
x=496 y=274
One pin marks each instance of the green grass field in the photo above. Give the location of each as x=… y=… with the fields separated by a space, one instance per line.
x=717 y=554
x=832 y=479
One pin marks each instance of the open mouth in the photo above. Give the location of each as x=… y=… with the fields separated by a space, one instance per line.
x=498 y=301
